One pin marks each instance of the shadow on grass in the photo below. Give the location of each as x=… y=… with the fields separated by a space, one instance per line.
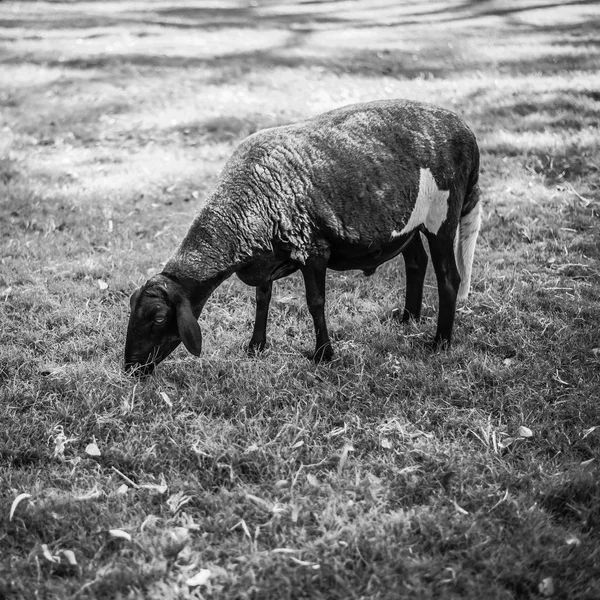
x=326 y=14
x=228 y=128
x=362 y=63
x=412 y=21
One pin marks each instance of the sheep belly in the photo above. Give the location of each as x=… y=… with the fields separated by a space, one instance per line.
x=267 y=267
x=366 y=257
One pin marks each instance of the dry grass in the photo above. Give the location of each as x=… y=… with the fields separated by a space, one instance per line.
x=387 y=473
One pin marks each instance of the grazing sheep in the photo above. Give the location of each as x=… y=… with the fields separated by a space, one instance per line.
x=348 y=189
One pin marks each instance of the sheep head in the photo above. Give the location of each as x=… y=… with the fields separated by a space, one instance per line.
x=161 y=317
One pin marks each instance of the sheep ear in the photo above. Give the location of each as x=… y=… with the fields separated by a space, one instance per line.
x=134 y=297
x=188 y=328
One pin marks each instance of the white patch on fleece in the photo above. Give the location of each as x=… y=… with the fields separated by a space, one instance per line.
x=430 y=208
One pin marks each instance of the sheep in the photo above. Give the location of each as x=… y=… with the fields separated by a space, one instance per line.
x=348 y=189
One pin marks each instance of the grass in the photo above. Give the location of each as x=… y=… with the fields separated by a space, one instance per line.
x=389 y=472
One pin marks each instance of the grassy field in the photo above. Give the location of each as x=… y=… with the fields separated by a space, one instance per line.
x=388 y=473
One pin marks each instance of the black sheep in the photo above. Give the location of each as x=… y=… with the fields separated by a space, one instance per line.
x=348 y=189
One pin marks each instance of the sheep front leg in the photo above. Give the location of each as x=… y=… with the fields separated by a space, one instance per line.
x=259 y=335
x=448 y=280
x=415 y=262
x=314 y=272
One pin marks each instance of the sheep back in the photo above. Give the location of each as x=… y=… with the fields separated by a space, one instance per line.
x=348 y=178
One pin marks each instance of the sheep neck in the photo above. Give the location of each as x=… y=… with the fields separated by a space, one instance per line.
x=217 y=244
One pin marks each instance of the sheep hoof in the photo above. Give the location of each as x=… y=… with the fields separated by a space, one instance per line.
x=323 y=354
x=255 y=348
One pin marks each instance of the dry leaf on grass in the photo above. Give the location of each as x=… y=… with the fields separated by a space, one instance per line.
x=590 y=430
x=70 y=556
x=48 y=555
x=160 y=488
x=15 y=503
x=572 y=540
x=166 y=399
x=119 y=534
x=200 y=578
x=92 y=450
x=546 y=587
x=525 y=432
x=460 y=509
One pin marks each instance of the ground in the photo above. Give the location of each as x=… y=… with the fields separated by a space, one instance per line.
x=389 y=472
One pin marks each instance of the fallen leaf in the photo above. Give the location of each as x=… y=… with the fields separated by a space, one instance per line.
x=571 y=540
x=161 y=487
x=590 y=430
x=120 y=534
x=166 y=398
x=302 y=563
x=50 y=370
x=123 y=489
x=70 y=556
x=506 y=442
x=298 y=444
x=48 y=555
x=546 y=587
x=15 y=503
x=102 y=284
x=525 y=432
x=200 y=578
x=459 y=509
x=385 y=443
x=92 y=450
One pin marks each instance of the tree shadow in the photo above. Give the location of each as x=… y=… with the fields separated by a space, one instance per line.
x=224 y=128
x=416 y=24
x=225 y=68
x=425 y=48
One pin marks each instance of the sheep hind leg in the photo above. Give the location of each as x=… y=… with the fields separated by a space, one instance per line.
x=415 y=262
x=259 y=335
x=448 y=280
x=314 y=272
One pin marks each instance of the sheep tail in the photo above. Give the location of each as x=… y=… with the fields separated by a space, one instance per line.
x=470 y=222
